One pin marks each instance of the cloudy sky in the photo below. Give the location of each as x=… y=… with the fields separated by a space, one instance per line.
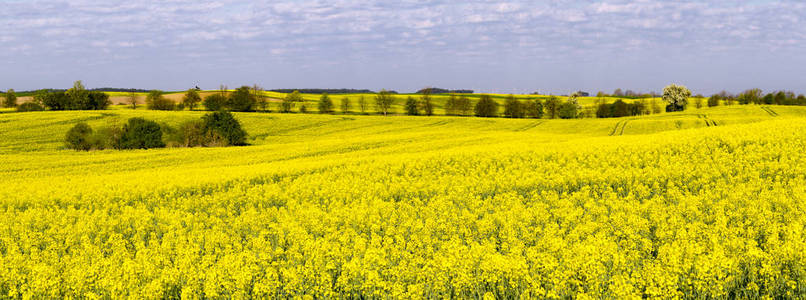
x=495 y=46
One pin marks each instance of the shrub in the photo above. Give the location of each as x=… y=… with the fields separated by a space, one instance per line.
x=156 y=101
x=242 y=99
x=411 y=106
x=486 y=107
x=10 y=99
x=215 y=102
x=325 y=104
x=78 y=137
x=30 y=106
x=191 y=99
x=224 y=125
x=140 y=133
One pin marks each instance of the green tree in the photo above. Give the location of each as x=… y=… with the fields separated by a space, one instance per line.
x=486 y=107
x=426 y=105
x=411 y=106
x=242 y=99
x=534 y=109
x=346 y=106
x=139 y=133
x=132 y=99
x=552 y=107
x=156 y=101
x=224 y=128
x=463 y=106
x=450 y=105
x=676 y=97
x=513 y=108
x=78 y=137
x=260 y=98
x=289 y=101
x=362 y=104
x=10 y=99
x=215 y=102
x=569 y=109
x=191 y=99
x=78 y=95
x=384 y=101
x=714 y=100
x=325 y=104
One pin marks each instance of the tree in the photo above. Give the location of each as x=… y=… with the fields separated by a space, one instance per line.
x=96 y=101
x=450 y=105
x=346 y=106
x=512 y=108
x=601 y=94
x=55 y=100
x=289 y=101
x=463 y=106
x=618 y=93
x=260 y=98
x=156 y=101
x=191 y=99
x=384 y=101
x=302 y=108
x=325 y=104
x=78 y=137
x=362 y=104
x=714 y=100
x=676 y=97
x=78 y=95
x=534 y=109
x=132 y=99
x=140 y=133
x=411 y=107
x=486 y=107
x=224 y=128
x=427 y=106
x=569 y=109
x=697 y=102
x=215 y=102
x=241 y=99
x=656 y=106
x=10 y=99
x=552 y=107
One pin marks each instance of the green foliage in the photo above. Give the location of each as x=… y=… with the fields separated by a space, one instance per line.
x=384 y=101
x=95 y=101
x=78 y=94
x=156 y=101
x=189 y=134
x=513 y=108
x=362 y=104
x=302 y=108
x=242 y=100
x=676 y=97
x=346 y=105
x=426 y=104
x=30 y=106
x=139 y=133
x=486 y=107
x=289 y=101
x=78 y=137
x=224 y=125
x=325 y=104
x=552 y=107
x=215 y=102
x=534 y=109
x=411 y=106
x=714 y=100
x=451 y=106
x=10 y=99
x=191 y=99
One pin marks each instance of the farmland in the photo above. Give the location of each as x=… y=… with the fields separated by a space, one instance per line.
x=705 y=203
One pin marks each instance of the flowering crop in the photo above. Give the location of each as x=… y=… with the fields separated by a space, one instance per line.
x=335 y=206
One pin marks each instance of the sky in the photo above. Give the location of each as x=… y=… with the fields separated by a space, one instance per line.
x=489 y=46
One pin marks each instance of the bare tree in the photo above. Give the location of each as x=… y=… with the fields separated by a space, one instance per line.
x=132 y=99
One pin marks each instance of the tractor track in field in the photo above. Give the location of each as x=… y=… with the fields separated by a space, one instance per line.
x=708 y=122
x=619 y=128
x=530 y=126
x=769 y=111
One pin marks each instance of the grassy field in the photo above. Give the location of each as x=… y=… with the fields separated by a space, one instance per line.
x=706 y=203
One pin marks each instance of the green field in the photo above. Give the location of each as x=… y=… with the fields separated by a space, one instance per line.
x=706 y=203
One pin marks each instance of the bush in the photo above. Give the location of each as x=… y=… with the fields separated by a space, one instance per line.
x=30 y=106
x=224 y=125
x=140 y=133
x=486 y=107
x=156 y=101
x=78 y=137
x=242 y=99
x=215 y=102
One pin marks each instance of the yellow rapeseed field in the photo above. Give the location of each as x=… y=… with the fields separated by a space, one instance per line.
x=701 y=204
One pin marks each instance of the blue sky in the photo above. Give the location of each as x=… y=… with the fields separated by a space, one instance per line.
x=492 y=46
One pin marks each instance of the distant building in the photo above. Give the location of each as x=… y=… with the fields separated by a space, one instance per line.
x=583 y=94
